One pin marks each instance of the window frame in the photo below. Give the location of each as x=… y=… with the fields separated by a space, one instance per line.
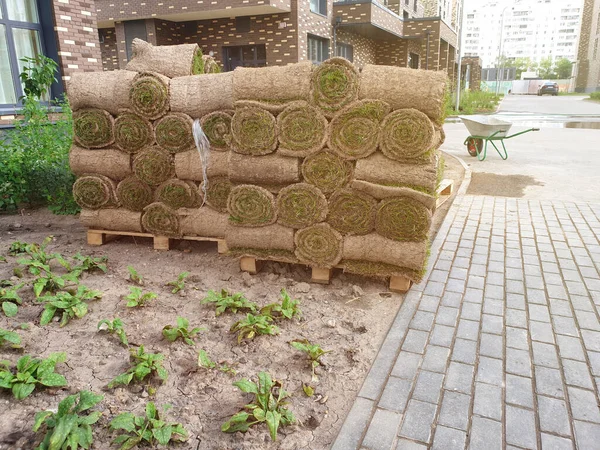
x=347 y=48
x=321 y=40
x=321 y=7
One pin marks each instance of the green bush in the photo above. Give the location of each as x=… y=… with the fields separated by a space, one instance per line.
x=474 y=102
x=595 y=95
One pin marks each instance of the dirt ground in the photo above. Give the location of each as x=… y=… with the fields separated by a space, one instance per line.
x=500 y=185
x=350 y=317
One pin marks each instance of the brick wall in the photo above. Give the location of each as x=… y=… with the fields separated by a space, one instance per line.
x=588 y=71
x=364 y=50
x=108 y=48
x=475 y=71
x=316 y=24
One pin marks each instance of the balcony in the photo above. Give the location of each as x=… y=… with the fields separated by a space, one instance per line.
x=368 y=18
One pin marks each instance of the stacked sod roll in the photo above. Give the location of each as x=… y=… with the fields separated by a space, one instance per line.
x=319 y=165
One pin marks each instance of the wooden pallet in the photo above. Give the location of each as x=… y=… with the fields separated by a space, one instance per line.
x=444 y=192
x=101 y=237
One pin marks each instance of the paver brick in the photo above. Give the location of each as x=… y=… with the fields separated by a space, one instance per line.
x=354 y=425
x=455 y=410
x=464 y=351
x=428 y=387
x=422 y=320
x=555 y=443
x=436 y=359
x=490 y=371
x=517 y=338
x=415 y=341
x=520 y=427
x=382 y=430
x=429 y=303
x=405 y=444
x=584 y=405
x=395 y=394
x=587 y=320
x=564 y=326
x=587 y=435
x=516 y=318
x=541 y=332
x=539 y=313
x=553 y=416
x=570 y=347
x=448 y=439
x=492 y=324
x=486 y=434
x=519 y=391
x=471 y=311
x=442 y=335
x=544 y=355
x=491 y=345
x=407 y=365
x=488 y=401
x=459 y=377
x=518 y=362
x=468 y=329
x=453 y=299
x=594 y=359
x=417 y=421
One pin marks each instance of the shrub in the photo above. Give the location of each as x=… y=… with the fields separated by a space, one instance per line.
x=595 y=95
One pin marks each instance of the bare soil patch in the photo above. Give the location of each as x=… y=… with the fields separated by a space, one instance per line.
x=500 y=185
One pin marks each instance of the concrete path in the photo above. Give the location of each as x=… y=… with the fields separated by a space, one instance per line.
x=568 y=104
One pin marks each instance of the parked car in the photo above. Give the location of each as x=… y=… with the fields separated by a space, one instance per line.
x=548 y=88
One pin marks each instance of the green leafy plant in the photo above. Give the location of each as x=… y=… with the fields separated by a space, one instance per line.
x=253 y=325
x=37 y=76
x=114 y=327
x=179 y=283
x=314 y=353
x=309 y=391
x=69 y=427
x=90 y=263
x=205 y=361
x=134 y=276
x=150 y=428
x=67 y=304
x=224 y=301
x=30 y=372
x=37 y=253
x=268 y=406
x=46 y=280
x=17 y=248
x=142 y=365
x=138 y=298
x=3 y=259
x=287 y=309
x=10 y=299
x=172 y=333
x=10 y=337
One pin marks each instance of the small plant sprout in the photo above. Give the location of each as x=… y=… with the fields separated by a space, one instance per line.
x=150 y=428
x=136 y=298
x=30 y=372
x=2 y=259
x=309 y=391
x=172 y=333
x=205 y=361
x=10 y=299
x=252 y=326
x=287 y=309
x=37 y=253
x=71 y=426
x=10 y=338
x=314 y=353
x=68 y=305
x=134 y=276
x=17 y=248
x=224 y=301
x=46 y=280
x=179 y=283
x=90 y=263
x=114 y=327
x=142 y=365
x=268 y=406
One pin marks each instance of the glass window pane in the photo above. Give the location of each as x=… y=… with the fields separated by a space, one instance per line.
x=22 y=10
x=27 y=43
x=7 y=88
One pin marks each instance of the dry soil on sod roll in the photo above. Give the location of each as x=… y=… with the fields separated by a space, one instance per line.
x=169 y=60
x=154 y=166
x=276 y=84
x=198 y=95
x=188 y=165
x=403 y=219
x=217 y=193
x=351 y=212
x=108 y=162
x=253 y=131
x=102 y=90
x=302 y=130
x=178 y=194
x=134 y=194
x=327 y=171
x=149 y=95
x=93 y=128
x=161 y=220
x=269 y=169
x=174 y=133
x=94 y=191
x=270 y=237
x=379 y=270
x=407 y=134
x=133 y=132
x=217 y=126
x=300 y=205
x=319 y=245
x=334 y=85
x=117 y=219
x=251 y=206
x=381 y=192
x=202 y=222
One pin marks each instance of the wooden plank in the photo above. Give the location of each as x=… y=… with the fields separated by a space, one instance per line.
x=250 y=265
x=95 y=238
x=320 y=275
x=222 y=246
x=399 y=284
x=161 y=243
x=441 y=200
x=121 y=233
x=446 y=187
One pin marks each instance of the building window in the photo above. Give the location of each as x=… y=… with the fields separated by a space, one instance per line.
x=413 y=60
x=242 y=24
x=405 y=15
x=415 y=6
x=318 y=49
x=245 y=56
x=345 y=51
x=134 y=29
x=319 y=6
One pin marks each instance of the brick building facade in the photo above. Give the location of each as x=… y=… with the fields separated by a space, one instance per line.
x=588 y=70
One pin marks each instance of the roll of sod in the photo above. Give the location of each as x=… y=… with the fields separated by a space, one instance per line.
x=381 y=192
x=173 y=133
x=253 y=131
x=169 y=60
x=149 y=95
x=102 y=90
x=274 y=107
x=271 y=238
x=377 y=249
x=154 y=166
x=116 y=219
x=93 y=128
x=206 y=64
x=202 y=222
x=269 y=169
x=134 y=194
x=178 y=194
x=161 y=220
x=355 y=131
x=198 y=95
x=108 y=162
x=407 y=134
x=334 y=85
x=327 y=171
x=133 y=132
x=319 y=245
x=351 y=212
x=217 y=126
x=300 y=205
x=276 y=84
x=302 y=130
x=188 y=165
x=251 y=206
x=403 y=219
x=217 y=193
x=380 y=270
x=94 y=191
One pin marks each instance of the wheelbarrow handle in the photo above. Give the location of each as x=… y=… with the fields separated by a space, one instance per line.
x=535 y=129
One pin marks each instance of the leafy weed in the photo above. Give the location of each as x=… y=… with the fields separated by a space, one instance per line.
x=224 y=301
x=136 y=298
x=205 y=361
x=30 y=372
x=172 y=333
x=134 y=276
x=142 y=365
x=114 y=327
x=10 y=337
x=10 y=299
x=252 y=326
x=314 y=353
x=287 y=309
x=179 y=283
x=67 y=304
x=90 y=263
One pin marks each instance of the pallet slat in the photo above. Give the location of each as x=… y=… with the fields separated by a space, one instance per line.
x=101 y=237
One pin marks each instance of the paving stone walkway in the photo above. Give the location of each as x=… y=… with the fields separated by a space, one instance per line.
x=499 y=348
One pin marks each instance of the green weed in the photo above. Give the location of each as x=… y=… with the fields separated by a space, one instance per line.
x=287 y=309
x=172 y=333
x=114 y=327
x=90 y=263
x=10 y=298
x=134 y=276
x=142 y=365
x=179 y=283
x=136 y=298
x=314 y=353
x=205 y=361
x=252 y=326
x=68 y=305
x=9 y=337
x=224 y=301
x=30 y=372
x=17 y=248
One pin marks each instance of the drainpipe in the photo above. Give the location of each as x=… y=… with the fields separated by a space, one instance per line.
x=459 y=56
x=336 y=24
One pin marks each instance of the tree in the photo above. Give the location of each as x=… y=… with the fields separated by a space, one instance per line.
x=522 y=65
x=546 y=69
x=563 y=68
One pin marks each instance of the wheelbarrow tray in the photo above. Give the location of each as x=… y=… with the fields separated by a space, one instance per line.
x=486 y=126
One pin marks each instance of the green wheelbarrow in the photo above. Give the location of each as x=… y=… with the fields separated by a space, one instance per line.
x=484 y=129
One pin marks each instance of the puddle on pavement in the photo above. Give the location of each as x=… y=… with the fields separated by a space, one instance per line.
x=500 y=185
x=587 y=125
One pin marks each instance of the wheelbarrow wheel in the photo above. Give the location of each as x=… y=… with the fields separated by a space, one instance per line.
x=474 y=146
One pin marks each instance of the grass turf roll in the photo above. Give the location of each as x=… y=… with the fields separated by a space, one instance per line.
x=93 y=128
x=251 y=206
x=264 y=170
x=188 y=165
x=354 y=132
x=173 y=133
x=116 y=219
x=169 y=60
x=103 y=90
x=149 y=95
x=154 y=166
x=407 y=134
x=319 y=245
x=302 y=130
x=381 y=192
x=132 y=132
x=217 y=193
x=216 y=126
x=134 y=194
x=161 y=220
x=253 y=131
x=274 y=84
x=178 y=194
x=270 y=238
x=327 y=171
x=203 y=222
x=94 y=191
x=334 y=85
x=199 y=95
x=109 y=162
x=351 y=212
x=300 y=205
x=403 y=219
x=380 y=270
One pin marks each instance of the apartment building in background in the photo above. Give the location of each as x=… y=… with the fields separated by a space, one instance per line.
x=588 y=69
x=534 y=29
